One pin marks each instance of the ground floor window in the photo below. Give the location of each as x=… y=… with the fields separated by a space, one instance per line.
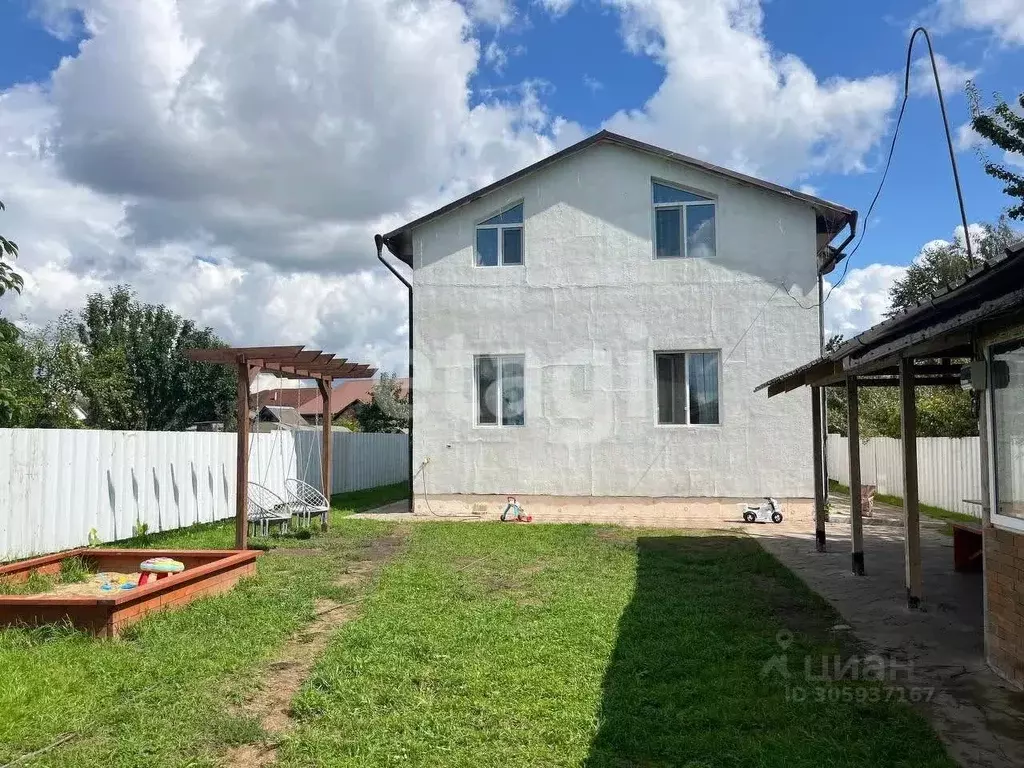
x=1006 y=385
x=500 y=390
x=688 y=387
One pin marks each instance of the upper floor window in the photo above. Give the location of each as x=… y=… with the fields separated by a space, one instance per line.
x=684 y=223
x=499 y=240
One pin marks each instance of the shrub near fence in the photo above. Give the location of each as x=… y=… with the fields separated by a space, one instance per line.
x=948 y=469
x=57 y=486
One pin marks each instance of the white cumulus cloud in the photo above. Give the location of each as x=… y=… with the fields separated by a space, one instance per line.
x=730 y=97
x=556 y=7
x=1002 y=18
x=861 y=300
x=234 y=160
x=496 y=13
x=952 y=77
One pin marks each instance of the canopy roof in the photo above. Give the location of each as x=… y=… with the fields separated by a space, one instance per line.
x=288 y=362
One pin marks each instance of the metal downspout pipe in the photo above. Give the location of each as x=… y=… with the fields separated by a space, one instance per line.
x=379 y=241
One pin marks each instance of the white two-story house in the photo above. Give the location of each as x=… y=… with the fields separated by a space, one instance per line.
x=589 y=331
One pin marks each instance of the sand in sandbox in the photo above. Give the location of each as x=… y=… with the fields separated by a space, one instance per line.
x=93 y=586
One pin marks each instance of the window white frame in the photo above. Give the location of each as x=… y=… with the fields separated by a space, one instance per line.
x=686 y=388
x=500 y=361
x=655 y=207
x=1005 y=522
x=521 y=226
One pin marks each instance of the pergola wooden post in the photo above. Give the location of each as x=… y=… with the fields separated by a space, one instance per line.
x=290 y=363
x=856 y=509
x=242 y=459
x=911 y=506
x=327 y=441
x=820 y=483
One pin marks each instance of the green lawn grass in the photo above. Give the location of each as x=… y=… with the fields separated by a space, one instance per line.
x=357 y=501
x=936 y=513
x=160 y=695
x=514 y=645
x=482 y=645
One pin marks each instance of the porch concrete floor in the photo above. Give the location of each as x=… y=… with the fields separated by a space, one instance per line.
x=978 y=715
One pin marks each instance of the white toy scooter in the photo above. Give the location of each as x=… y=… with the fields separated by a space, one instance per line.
x=769 y=511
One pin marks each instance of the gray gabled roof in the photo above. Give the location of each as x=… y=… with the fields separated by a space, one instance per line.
x=832 y=217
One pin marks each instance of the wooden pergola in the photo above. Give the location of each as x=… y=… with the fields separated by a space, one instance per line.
x=290 y=363
x=926 y=345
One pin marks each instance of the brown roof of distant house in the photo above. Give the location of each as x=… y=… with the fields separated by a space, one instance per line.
x=344 y=395
x=292 y=397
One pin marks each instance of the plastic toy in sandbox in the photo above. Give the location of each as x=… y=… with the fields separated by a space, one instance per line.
x=109 y=581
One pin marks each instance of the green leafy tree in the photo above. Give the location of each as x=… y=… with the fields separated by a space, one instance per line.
x=944 y=265
x=108 y=392
x=9 y=279
x=142 y=379
x=348 y=422
x=1003 y=126
x=58 y=361
x=388 y=410
x=941 y=411
x=20 y=394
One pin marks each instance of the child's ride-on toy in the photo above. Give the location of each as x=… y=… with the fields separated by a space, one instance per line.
x=514 y=513
x=768 y=511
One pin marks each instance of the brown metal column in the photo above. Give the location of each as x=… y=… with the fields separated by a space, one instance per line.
x=911 y=506
x=242 y=463
x=853 y=439
x=819 y=477
x=326 y=387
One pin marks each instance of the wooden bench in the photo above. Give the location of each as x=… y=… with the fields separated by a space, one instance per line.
x=967 y=547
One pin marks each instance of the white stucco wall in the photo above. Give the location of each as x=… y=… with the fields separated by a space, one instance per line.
x=588 y=310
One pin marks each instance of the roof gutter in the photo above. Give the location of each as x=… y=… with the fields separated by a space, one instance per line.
x=838 y=250
x=380 y=242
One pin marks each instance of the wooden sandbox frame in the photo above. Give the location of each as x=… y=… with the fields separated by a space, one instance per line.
x=207 y=572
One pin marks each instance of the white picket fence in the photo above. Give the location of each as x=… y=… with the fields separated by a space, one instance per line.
x=948 y=469
x=58 y=485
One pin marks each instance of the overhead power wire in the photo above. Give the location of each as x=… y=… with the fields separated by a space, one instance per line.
x=892 y=147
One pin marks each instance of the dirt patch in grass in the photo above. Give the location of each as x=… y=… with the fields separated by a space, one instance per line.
x=282 y=678
x=518 y=584
x=297 y=551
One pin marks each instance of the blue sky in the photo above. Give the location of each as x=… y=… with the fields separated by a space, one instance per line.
x=176 y=134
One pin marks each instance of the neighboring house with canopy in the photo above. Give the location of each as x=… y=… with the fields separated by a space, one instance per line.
x=591 y=328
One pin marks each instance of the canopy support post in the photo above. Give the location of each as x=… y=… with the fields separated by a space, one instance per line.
x=856 y=506
x=819 y=474
x=911 y=505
